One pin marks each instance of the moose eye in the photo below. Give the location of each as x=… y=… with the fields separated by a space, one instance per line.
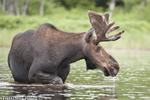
x=97 y=49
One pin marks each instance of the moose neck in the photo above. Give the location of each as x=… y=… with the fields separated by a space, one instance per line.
x=73 y=48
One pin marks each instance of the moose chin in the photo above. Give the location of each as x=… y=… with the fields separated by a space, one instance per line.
x=44 y=55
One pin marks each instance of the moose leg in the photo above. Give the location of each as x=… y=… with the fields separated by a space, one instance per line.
x=46 y=78
x=63 y=72
x=37 y=74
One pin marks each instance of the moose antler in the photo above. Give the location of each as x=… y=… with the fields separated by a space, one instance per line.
x=102 y=27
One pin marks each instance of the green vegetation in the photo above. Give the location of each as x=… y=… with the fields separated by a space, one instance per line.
x=133 y=18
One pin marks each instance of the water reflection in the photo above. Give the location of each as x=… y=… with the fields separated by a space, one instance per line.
x=35 y=91
x=62 y=92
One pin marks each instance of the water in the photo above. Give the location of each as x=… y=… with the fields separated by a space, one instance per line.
x=132 y=82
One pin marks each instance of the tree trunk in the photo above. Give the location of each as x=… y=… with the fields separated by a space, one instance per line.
x=17 y=8
x=4 y=6
x=24 y=7
x=42 y=7
x=143 y=2
x=1 y=5
x=11 y=7
x=112 y=6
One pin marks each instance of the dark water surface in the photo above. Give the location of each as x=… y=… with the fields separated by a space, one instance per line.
x=132 y=82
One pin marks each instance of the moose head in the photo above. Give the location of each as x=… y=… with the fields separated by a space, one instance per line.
x=95 y=55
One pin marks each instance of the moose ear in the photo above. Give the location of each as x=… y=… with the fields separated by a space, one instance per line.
x=89 y=34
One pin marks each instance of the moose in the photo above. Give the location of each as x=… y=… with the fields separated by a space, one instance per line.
x=44 y=55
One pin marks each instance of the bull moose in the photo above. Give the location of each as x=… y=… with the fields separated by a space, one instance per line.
x=44 y=55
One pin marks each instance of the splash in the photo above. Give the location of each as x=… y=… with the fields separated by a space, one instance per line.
x=114 y=85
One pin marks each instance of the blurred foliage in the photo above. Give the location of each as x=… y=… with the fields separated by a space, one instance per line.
x=71 y=15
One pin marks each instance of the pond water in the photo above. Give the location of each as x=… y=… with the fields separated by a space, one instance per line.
x=132 y=82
